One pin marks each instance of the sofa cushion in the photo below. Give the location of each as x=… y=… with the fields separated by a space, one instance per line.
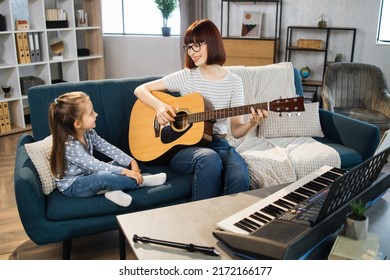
x=39 y=153
x=304 y=124
x=349 y=157
x=178 y=187
x=366 y=115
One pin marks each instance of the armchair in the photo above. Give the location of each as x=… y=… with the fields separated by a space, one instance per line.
x=359 y=91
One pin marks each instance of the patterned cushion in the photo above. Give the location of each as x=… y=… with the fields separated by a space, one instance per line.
x=39 y=152
x=306 y=124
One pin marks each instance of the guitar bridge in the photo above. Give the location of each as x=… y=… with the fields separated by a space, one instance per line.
x=156 y=127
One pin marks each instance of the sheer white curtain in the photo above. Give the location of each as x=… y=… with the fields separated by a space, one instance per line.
x=190 y=10
x=383 y=35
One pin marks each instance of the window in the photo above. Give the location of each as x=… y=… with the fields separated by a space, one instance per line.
x=383 y=35
x=136 y=17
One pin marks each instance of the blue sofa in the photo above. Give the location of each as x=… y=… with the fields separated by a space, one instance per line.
x=57 y=218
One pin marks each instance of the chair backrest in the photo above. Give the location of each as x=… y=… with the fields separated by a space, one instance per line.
x=354 y=85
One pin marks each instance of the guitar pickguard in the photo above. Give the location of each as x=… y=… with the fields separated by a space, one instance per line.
x=168 y=135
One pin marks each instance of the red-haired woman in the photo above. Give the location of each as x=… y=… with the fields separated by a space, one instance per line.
x=218 y=169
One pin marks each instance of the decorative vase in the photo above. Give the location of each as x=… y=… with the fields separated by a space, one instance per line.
x=7 y=91
x=356 y=229
x=166 y=31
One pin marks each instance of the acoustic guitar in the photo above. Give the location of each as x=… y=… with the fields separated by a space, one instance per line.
x=193 y=124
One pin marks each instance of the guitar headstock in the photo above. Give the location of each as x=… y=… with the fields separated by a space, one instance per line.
x=287 y=105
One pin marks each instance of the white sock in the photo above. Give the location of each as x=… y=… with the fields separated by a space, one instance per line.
x=119 y=197
x=154 y=180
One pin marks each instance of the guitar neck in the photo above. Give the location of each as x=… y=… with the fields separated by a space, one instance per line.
x=225 y=113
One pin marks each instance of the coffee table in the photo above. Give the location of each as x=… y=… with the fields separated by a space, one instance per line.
x=194 y=222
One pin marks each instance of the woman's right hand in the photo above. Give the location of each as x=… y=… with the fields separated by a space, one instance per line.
x=165 y=113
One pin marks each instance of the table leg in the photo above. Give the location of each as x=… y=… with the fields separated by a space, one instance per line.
x=122 y=245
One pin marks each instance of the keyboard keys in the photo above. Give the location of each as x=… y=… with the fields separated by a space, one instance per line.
x=284 y=206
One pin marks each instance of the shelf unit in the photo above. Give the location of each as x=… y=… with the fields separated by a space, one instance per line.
x=251 y=51
x=72 y=68
x=324 y=34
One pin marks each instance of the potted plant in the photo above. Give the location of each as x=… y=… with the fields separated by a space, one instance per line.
x=322 y=21
x=338 y=57
x=166 y=8
x=356 y=225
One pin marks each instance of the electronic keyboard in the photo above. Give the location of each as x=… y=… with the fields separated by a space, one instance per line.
x=296 y=219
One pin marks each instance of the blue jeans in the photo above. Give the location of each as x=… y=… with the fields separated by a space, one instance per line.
x=213 y=167
x=90 y=185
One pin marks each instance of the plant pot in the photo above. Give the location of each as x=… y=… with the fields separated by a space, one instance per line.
x=166 y=31
x=356 y=229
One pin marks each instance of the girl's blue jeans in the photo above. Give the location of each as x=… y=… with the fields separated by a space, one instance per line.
x=90 y=185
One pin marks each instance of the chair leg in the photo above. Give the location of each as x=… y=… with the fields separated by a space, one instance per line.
x=66 y=249
x=122 y=245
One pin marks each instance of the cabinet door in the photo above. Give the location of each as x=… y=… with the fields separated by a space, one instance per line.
x=249 y=52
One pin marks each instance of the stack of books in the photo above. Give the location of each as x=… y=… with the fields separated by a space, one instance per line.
x=345 y=248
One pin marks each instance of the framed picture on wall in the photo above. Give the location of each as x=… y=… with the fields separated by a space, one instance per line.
x=251 y=24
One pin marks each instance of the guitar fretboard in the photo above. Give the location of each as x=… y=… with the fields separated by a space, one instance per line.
x=225 y=113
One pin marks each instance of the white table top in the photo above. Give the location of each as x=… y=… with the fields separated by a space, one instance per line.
x=191 y=222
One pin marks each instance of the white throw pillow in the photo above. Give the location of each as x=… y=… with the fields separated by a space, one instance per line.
x=304 y=124
x=39 y=152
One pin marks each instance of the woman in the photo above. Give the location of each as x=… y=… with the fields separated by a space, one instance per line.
x=219 y=164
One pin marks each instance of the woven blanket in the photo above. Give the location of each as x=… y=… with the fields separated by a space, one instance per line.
x=276 y=161
x=284 y=160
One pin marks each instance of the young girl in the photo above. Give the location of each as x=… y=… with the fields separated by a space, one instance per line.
x=219 y=163
x=78 y=173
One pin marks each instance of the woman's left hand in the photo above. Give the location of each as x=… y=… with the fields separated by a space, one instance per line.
x=257 y=116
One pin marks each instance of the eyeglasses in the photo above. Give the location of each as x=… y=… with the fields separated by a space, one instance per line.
x=194 y=46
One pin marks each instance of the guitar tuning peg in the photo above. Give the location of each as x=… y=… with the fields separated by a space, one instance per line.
x=298 y=114
x=289 y=114
x=280 y=114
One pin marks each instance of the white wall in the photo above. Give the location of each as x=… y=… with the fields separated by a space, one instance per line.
x=138 y=56
x=134 y=56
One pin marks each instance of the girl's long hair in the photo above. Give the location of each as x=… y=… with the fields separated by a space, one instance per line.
x=63 y=112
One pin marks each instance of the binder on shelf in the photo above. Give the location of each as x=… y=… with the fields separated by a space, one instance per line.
x=37 y=47
x=26 y=47
x=20 y=48
x=2 y=125
x=7 y=118
x=31 y=45
x=2 y=120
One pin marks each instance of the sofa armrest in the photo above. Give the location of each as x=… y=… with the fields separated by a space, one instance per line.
x=30 y=199
x=357 y=135
x=383 y=105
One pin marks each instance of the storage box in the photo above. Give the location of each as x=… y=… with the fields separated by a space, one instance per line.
x=3 y=26
x=29 y=81
x=310 y=44
x=83 y=52
x=56 y=24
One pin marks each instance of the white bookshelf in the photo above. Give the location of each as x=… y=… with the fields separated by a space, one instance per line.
x=71 y=68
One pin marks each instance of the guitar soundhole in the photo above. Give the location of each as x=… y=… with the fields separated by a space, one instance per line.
x=181 y=122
